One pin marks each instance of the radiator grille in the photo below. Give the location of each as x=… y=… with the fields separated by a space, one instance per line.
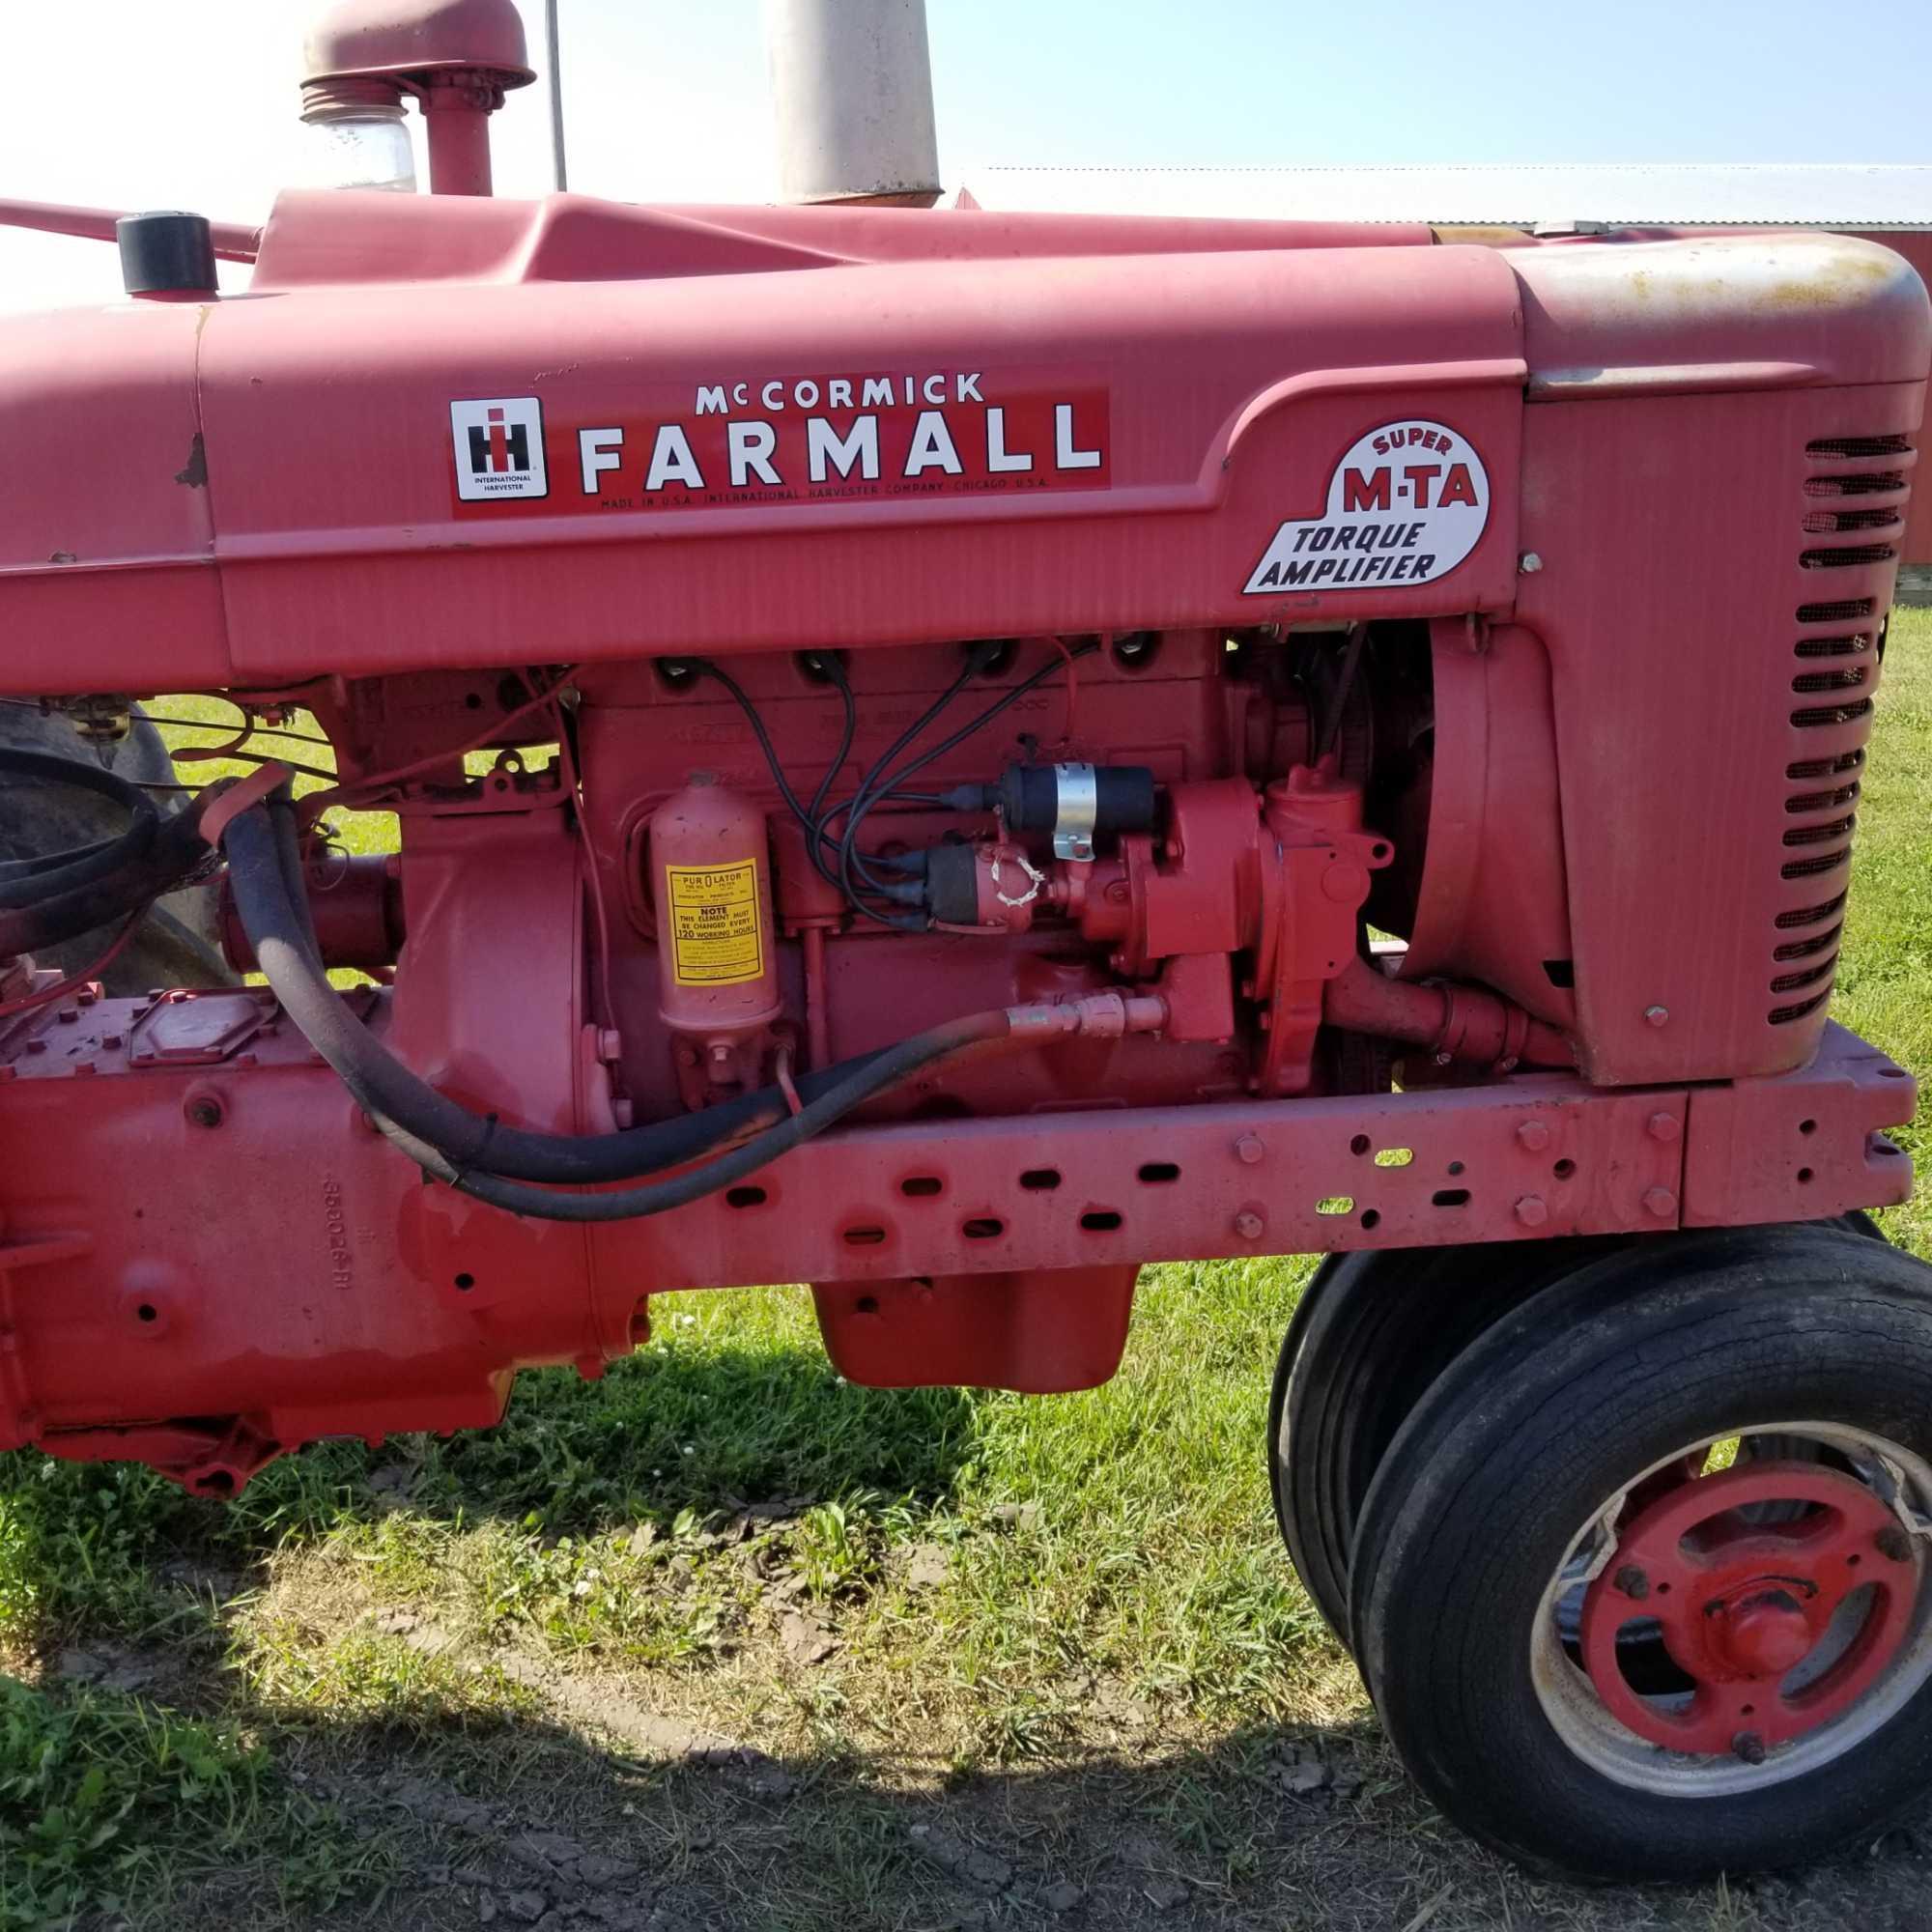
x=1853 y=556
x=1869 y=485
x=1859 y=446
x=1851 y=504
x=1806 y=948
x=1819 y=523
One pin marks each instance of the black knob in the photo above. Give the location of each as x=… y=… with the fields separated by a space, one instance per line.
x=166 y=253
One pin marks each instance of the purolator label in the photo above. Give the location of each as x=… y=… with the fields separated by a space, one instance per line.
x=1405 y=505
x=888 y=436
x=714 y=920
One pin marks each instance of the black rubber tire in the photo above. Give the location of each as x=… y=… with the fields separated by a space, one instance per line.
x=1604 y=1374
x=179 y=943
x=1371 y=1333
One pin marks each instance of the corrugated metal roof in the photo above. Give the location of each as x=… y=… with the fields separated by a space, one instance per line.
x=1637 y=194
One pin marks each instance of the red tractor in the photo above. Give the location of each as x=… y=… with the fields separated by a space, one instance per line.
x=1017 y=746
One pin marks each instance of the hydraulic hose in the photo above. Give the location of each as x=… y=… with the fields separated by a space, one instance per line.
x=482 y=1159
x=629 y=1203
x=264 y=872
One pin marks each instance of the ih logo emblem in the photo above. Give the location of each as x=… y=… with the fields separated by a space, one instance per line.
x=500 y=448
x=1405 y=505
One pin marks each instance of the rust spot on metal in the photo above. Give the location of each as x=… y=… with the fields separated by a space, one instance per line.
x=195 y=475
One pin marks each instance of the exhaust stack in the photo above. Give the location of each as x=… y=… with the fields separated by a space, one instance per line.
x=852 y=89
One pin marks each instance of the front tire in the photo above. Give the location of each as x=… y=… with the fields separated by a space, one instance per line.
x=1508 y=1637
x=1372 y=1330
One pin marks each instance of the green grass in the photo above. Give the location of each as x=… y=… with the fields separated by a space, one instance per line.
x=1058 y=1627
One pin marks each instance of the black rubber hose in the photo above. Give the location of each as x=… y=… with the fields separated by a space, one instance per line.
x=385 y=1090
x=50 y=862
x=176 y=852
x=657 y=1197
x=29 y=882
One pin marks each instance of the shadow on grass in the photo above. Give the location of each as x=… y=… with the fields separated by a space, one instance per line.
x=711 y=1427
x=423 y=1797
x=438 y=1824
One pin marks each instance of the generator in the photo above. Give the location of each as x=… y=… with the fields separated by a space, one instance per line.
x=950 y=754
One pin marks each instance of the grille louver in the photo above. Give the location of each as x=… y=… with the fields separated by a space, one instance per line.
x=1855 y=493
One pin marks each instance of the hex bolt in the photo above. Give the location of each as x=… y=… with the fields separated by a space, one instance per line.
x=1663 y=1127
x=1250 y=1148
x=610 y=1047
x=1529 y=563
x=1893 y=1542
x=1531 y=1210
x=1534 y=1135
x=1657 y=1016
x=1748 y=1746
x=202 y=1110
x=1249 y=1225
x=1632 y=1583
x=1660 y=1202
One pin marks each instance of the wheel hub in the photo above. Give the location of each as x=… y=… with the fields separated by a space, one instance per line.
x=1765 y=1633
x=1779 y=1589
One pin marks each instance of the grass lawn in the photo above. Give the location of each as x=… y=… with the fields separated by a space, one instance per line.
x=721 y=1641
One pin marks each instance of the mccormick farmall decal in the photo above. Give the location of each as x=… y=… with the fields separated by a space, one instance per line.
x=790 y=438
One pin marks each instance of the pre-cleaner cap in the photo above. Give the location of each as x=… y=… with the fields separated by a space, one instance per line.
x=166 y=253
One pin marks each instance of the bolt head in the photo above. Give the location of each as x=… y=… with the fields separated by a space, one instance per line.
x=1748 y=1747
x=1660 y=1202
x=1250 y=1148
x=1664 y=1127
x=1531 y=1210
x=1533 y=1135
x=1249 y=1225
x=1529 y=563
x=1657 y=1016
x=1632 y=1583
x=203 y=1110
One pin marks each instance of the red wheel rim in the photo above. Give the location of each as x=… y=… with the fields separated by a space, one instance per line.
x=1759 y=1616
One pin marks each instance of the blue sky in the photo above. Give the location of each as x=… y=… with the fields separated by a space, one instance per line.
x=667 y=98
x=1256 y=81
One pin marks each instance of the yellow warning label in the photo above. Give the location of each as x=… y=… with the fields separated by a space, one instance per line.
x=714 y=918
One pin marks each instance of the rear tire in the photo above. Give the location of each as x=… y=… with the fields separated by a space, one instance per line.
x=1483 y=1509
x=178 y=944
